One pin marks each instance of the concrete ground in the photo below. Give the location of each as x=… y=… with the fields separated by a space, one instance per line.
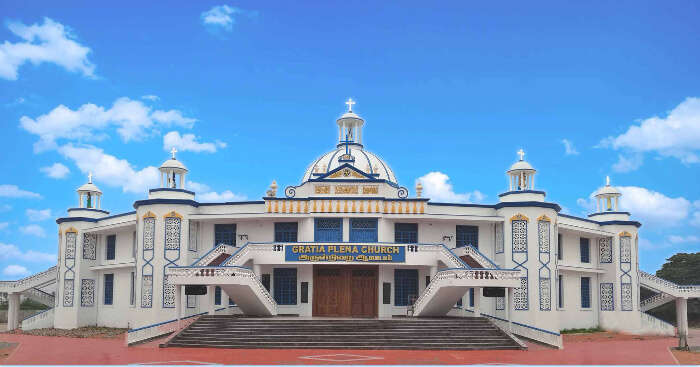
x=598 y=348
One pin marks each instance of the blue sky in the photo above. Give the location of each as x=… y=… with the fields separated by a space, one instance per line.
x=249 y=92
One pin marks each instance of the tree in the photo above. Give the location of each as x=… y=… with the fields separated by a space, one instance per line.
x=682 y=269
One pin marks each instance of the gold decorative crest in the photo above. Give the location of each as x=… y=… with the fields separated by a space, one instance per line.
x=544 y=218
x=346 y=189
x=322 y=189
x=370 y=190
x=519 y=217
x=345 y=173
x=625 y=234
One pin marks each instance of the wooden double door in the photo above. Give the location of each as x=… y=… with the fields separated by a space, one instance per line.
x=345 y=291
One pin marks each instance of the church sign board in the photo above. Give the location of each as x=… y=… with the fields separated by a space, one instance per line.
x=345 y=252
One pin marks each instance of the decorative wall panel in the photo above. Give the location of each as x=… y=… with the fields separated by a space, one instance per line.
x=519 y=236
x=499 y=237
x=171 y=253
x=545 y=294
x=147 y=291
x=605 y=248
x=607 y=298
x=89 y=246
x=87 y=292
x=626 y=299
x=68 y=286
x=149 y=229
x=520 y=296
x=194 y=232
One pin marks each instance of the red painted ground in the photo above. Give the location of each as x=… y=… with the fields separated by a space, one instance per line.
x=64 y=350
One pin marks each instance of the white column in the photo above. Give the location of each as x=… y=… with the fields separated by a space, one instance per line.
x=182 y=181
x=162 y=180
x=433 y=271
x=178 y=303
x=13 y=311
x=256 y=270
x=80 y=200
x=509 y=310
x=533 y=182
x=99 y=201
x=477 y=301
x=682 y=321
x=210 y=296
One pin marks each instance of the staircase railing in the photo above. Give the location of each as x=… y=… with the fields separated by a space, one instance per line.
x=475 y=254
x=39 y=296
x=655 y=301
x=207 y=258
x=663 y=285
x=41 y=320
x=45 y=277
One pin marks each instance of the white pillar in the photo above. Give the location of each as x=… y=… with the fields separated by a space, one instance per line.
x=13 y=311
x=162 y=182
x=477 y=301
x=210 y=296
x=178 y=303
x=80 y=200
x=682 y=321
x=509 y=310
x=433 y=271
x=99 y=201
x=182 y=181
x=533 y=182
x=256 y=270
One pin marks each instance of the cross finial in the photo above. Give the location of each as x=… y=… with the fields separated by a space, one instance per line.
x=521 y=153
x=90 y=177
x=607 y=180
x=350 y=102
x=173 y=151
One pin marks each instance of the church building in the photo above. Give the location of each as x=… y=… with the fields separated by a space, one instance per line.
x=349 y=241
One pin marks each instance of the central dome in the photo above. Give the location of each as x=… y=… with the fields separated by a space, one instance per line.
x=363 y=160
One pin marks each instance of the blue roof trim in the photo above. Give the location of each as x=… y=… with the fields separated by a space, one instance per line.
x=578 y=218
x=89 y=209
x=117 y=215
x=172 y=190
x=462 y=205
x=342 y=166
x=75 y=219
x=603 y=213
x=371 y=169
x=234 y=203
x=621 y=222
x=536 y=204
x=330 y=161
x=522 y=192
x=139 y=203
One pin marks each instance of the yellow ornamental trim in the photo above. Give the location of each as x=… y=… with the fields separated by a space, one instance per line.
x=625 y=234
x=544 y=218
x=519 y=217
x=71 y=230
x=173 y=214
x=149 y=215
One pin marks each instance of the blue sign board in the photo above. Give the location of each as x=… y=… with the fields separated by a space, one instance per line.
x=344 y=252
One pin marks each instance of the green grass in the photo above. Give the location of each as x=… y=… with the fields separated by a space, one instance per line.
x=582 y=331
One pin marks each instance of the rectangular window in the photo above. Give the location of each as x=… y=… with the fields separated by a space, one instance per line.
x=132 y=289
x=328 y=230
x=561 y=291
x=427 y=281
x=304 y=292
x=286 y=231
x=217 y=296
x=265 y=280
x=560 y=247
x=471 y=297
x=231 y=302
x=224 y=234
x=285 y=285
x=386 y=293
x=405 y=286
x=363 y=230
x=406 y=232
x=133 y=245
x=109 y=289
x=585 y=292
x=459 y=303
x=585 y=250
x=111 y=247
x=468 y=235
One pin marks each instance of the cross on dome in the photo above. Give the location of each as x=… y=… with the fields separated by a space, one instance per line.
x=521 y=153
x=350 y=102
x=173 y=151
x=90 y=177
x=607 y=180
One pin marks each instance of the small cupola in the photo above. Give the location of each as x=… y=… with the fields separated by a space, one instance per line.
x=172 y=173
x=350 y=126
x=89 y=196
x=608 y=196
x=521 y=175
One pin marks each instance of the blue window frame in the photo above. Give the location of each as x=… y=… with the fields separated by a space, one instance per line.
x=561 y=291
x=363 y=230
x=405 y=286
x=284 y=283
x=111 y=247
x=328 y=230
x=217 y=295
x=224 y=234
x=585 y=292
x=467 y=235
x=585 y=250
x=560 y=247
x=109 y=289
x=286 y=231
x=471 y=297
x=406 y=232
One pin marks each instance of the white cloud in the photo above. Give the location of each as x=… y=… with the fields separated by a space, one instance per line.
x=150 y=97
x=111 y=170
x=683 y=239
x=15 y=271
x=437 y=187
x=38 y=215
x=12 y=191
x=676 y=135
x=50 y=42
x=204 y=193
x=5 y=207
x=628 y=164
x=132 y=119
x=188 y=142
x=3 y=225
x=569 y=147
x=33 y=230
x=56 y=170
x=10 y=252
x=588 y=205
x=222 y=17
x=695 y=220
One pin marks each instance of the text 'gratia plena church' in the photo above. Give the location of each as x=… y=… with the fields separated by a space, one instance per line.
x=349 y=242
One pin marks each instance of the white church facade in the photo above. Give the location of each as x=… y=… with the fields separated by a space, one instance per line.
x=350 y=241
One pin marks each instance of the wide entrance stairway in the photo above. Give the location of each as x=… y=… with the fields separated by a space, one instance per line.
x=220 y=331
